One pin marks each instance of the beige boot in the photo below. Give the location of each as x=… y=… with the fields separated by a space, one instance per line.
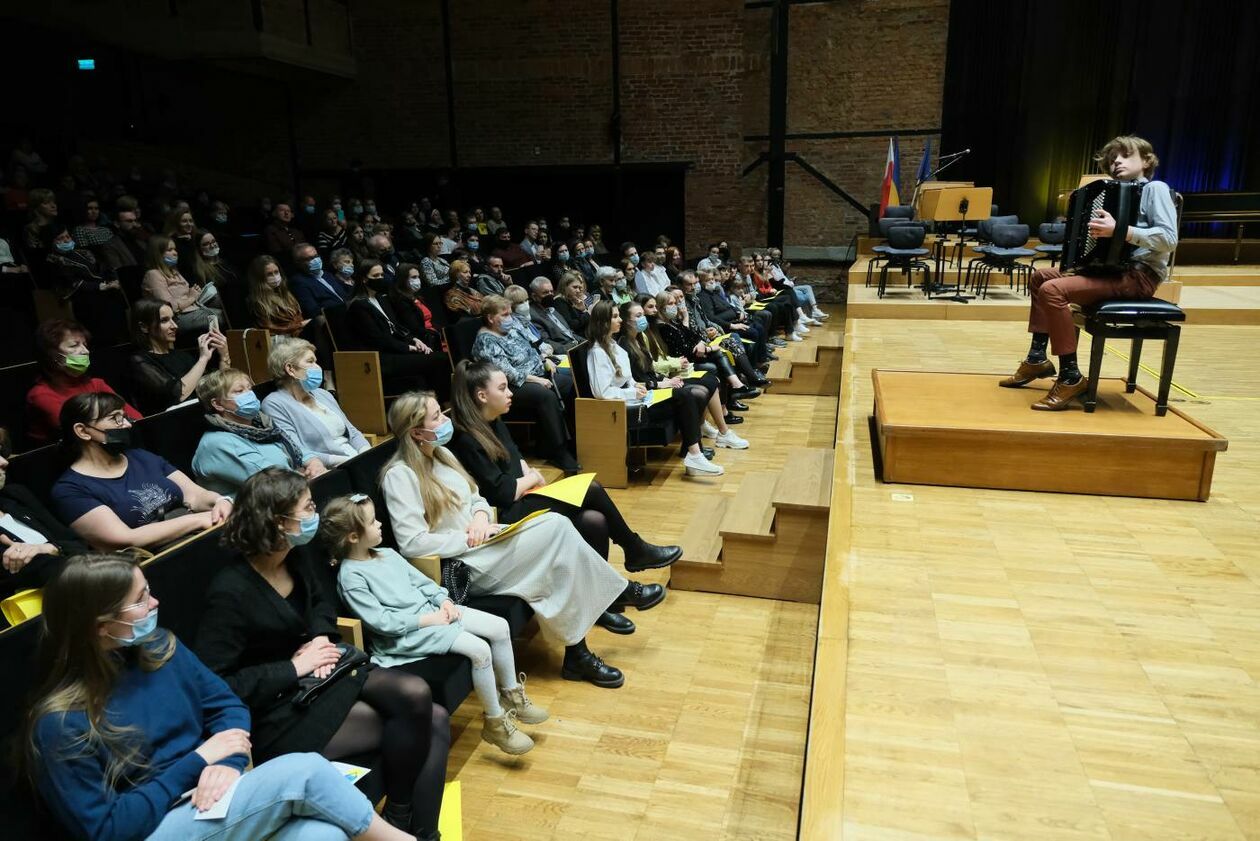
x=501 y=732
x=527 y=712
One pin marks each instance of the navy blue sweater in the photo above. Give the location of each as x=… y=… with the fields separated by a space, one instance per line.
x=177 y=708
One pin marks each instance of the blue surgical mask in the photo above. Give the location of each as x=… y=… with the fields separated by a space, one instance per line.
x=247 y=404
x=356 y=209
x=310 y=208
x=139 y=630
x=634 y=259
x=671 y=311
x=169 y=260
x=66 y=246
x=347 y=270
x=317 y=265
x=563 y=256
x=221 y=218
x=308 y=528
x=314 y=378
x=415 y=284
x=641 y=324
x=444 y=433
x=472 y=245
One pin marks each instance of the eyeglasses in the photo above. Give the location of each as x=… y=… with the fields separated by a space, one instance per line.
x=118 y=418
x=144 y=601
x=307 y=509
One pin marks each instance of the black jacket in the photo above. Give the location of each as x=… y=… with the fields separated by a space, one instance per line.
x=374 y=331
x=496 y=480
x=576 y=319
x=21 y=505
x=248 y=635
x=717 y=309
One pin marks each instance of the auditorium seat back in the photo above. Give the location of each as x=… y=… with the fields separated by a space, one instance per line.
x=173 y=434
x=460 y=337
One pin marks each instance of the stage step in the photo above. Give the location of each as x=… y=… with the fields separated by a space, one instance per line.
x=770 y=535
x=750 y=513
x=701 y=543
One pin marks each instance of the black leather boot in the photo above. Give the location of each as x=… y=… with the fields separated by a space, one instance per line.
x=615 y=623
x=646 y=555
x=580 y=663
x=639 y=596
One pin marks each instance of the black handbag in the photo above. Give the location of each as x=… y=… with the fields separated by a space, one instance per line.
x=455 y=577
x=310 y=688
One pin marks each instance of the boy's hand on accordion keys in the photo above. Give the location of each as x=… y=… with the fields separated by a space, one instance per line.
x=1102 y=225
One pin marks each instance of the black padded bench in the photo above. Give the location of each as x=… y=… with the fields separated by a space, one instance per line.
x=1136 y=320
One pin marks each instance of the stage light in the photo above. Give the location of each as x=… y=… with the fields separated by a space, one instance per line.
x=87 y=64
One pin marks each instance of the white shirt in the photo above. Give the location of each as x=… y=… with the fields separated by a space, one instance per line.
x=709 y=264
x=606 y=383
x=336 y=428
x=651 y=284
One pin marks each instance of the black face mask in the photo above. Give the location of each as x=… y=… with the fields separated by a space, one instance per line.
x=117 y=441
x=378 y=284
x=549 y=301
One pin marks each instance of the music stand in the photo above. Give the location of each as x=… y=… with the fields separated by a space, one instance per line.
x=954 y=204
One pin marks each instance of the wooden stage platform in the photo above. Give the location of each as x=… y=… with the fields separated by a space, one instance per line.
x=962 y=430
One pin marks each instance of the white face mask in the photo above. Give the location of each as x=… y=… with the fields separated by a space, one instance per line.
x=522 y=310
x=273 y=280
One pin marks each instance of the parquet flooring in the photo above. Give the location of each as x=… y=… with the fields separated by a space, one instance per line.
x=706 y=738
x=1026 y=666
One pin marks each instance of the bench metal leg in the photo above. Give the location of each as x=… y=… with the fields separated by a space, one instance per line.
x=1135 y=359
x=1098 y=344
x=1166 y=369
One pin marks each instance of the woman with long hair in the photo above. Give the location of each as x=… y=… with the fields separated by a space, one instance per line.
x=407 y=362
x=209 y=268
x=125 y=719
x=480 y=398
x=644 y=370
x=162 y=374
x=87 y=284
x=681 y=339
x=275 y=308
x=435 y=509
x=270 y=622
x=194 y=305
x=608 y=366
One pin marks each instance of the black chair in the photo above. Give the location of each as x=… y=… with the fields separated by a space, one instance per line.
x=335 y=318
x=132 y=279
x=460 y=337
x=1051 y=235
x=885 y=224
x=905 y=252
x=15 y=382
x=1136 y=320
x=1003 y=256
x=173 y=434
x=38 y=470
x=984 y=241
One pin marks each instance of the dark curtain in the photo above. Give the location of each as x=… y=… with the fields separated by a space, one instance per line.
x=1035 y=88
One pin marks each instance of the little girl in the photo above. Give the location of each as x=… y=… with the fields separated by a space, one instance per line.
x=409 y=617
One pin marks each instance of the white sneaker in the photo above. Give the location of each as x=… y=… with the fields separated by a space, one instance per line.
x=730 y=440
x=796 y=337
x=802 y=326
x=819 y=314
x=698 y=465
x=708 y=430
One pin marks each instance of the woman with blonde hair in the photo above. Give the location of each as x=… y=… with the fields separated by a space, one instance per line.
x=308 y=414
x=112 y=763
x=435 y=509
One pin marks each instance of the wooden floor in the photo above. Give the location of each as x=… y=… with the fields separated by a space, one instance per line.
x=706 y=739
x=1028 y=665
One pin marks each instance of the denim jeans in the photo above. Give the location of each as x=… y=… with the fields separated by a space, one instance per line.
x=295 y=797
x=805 y=296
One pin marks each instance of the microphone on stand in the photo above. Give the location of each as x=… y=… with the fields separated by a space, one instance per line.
x=954 y=155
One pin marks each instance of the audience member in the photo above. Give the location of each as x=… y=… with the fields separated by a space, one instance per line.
x=162 y=374
x=242 y=440
x=610 y=285
x=494 y=280
x=314 y=288
x=280 y=234
x=115 y=496
x=512 y=255
x=64 y=360
x=407 y=362
x=462 y=299
x=42 y=208
x=195 y=307
x=269 y=624
x=308 y=414
x=542 y=312
x=210 y=269
x=436 y=271
x=650 y=279
x=88 y=231
x=90 y=288
x=124 y=248
x=406 y=294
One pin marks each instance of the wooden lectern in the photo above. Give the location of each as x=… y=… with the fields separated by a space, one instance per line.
x=954 y=204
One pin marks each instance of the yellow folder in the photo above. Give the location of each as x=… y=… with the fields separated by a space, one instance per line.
x=571 y=489
x=658 y=395
x=512 y=528
x=693 y=374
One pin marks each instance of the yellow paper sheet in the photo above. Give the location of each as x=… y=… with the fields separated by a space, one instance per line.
x=571 y=489
x=565 y=363
x=713 y=343
x=755 y=307
x=512 y=528
x=23 y=605
x=451 y=820
x=693 y=374
x=660 y=394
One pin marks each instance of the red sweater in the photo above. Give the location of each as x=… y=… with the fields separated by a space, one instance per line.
x=44 y=401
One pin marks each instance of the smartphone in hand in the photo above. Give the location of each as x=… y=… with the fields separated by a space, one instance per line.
x=214 y=324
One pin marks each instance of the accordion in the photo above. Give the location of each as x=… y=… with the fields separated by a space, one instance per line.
x=1084 y=252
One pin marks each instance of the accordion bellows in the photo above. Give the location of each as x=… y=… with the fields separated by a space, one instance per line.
x=1085 y=253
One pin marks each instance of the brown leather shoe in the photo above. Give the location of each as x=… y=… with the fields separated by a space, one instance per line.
x=1062 y=395
x=1027 y=372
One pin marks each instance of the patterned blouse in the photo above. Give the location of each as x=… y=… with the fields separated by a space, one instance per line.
x=511 y=352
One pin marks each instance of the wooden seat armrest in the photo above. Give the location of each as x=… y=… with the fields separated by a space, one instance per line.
x=351 y=631
x=430 y=565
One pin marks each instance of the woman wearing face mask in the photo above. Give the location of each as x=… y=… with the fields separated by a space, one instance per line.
x=180 y=227
x=275 y=308
x=210 y=269
x=407 y=296
x=407 y=362
x=115 y=496
x=470 y=252
x=308 y=414
x=610 y=285
x=161 y=374
x=89 y=285
x=584 y=261
x=194 y=305
x=502 y=343
x=34 y=544
x=270 y=622
x=242 y=439
x=112 y=763
x=61 y=352
x=435 y=509
x=681 y=339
